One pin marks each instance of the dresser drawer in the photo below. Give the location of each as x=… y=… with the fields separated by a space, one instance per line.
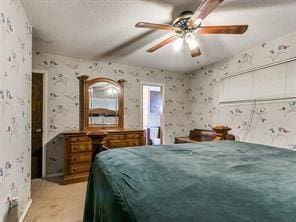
x=79 y=168
x=123 y=143
x=79 y=139
x=80 y=157
x=115 y=137
x=133 y=136
x=135 y=142
x=80 y=147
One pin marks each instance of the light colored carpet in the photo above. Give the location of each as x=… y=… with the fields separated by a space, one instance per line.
x=53 y=202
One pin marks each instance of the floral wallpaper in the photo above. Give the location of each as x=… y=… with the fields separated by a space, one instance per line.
x=15 y=107
x=191 y=101
x=270 y=123
x=63 y=98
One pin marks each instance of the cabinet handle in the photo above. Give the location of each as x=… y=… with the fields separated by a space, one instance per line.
x=74 y=169
x=74 y=159
x=74 y=148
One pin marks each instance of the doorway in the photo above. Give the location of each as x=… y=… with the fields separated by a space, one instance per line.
x=152 y=113
x=37 y=125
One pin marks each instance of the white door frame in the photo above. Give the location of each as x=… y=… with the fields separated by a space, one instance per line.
x=162 y=117
x=44 y=118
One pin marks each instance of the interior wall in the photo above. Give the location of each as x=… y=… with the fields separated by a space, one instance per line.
x=63 y=89
x=270 y=123
x=15 y=108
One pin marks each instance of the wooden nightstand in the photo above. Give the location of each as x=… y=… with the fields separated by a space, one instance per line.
x=202 y=135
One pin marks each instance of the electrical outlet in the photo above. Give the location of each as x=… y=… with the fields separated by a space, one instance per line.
x=13 y=202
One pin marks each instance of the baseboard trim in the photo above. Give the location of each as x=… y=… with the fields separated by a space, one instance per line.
x=23 y=215
x=55 y=175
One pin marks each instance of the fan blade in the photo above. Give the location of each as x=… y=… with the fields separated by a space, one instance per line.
x=161 y=44
x=155 y=26
x=195 y=52
x=205 y=8
x=223 y=29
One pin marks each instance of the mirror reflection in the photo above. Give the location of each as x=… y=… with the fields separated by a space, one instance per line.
x=103 y=104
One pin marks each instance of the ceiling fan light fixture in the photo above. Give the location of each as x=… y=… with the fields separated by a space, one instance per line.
x=191 y=41
x=194 y=24
x=178 y=44
x=197 y=23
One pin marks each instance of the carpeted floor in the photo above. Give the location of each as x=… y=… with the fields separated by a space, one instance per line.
x=53 y=202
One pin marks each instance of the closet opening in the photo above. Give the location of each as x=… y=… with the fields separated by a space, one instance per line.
x=152 y=113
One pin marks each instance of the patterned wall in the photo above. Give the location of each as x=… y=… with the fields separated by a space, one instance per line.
x=15 y=106
x=268 y=122
x=63 y=88
x=271 y=123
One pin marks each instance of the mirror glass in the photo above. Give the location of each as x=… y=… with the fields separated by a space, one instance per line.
x=103 y=104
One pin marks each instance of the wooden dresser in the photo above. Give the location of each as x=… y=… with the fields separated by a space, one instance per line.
x=101 y=126
x=79 y=149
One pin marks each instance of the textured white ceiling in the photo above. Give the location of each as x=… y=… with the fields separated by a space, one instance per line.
x=104 y=29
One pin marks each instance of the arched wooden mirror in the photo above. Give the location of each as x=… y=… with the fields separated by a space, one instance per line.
x=101 y=104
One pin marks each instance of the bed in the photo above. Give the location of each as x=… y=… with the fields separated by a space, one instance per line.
x=206 y=182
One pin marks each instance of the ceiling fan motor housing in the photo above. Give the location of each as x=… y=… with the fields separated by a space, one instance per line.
x=182 y=23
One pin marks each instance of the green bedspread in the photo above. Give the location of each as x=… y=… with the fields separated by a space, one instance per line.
x=213 y=182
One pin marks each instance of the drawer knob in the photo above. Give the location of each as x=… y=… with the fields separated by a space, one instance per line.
x=74 y=159
x=74 y=169
x=74 y=148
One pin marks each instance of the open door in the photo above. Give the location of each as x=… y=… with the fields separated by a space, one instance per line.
x=37 y=108
x=152 y=113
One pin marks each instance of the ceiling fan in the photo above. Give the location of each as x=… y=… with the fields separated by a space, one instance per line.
x=189 y=24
